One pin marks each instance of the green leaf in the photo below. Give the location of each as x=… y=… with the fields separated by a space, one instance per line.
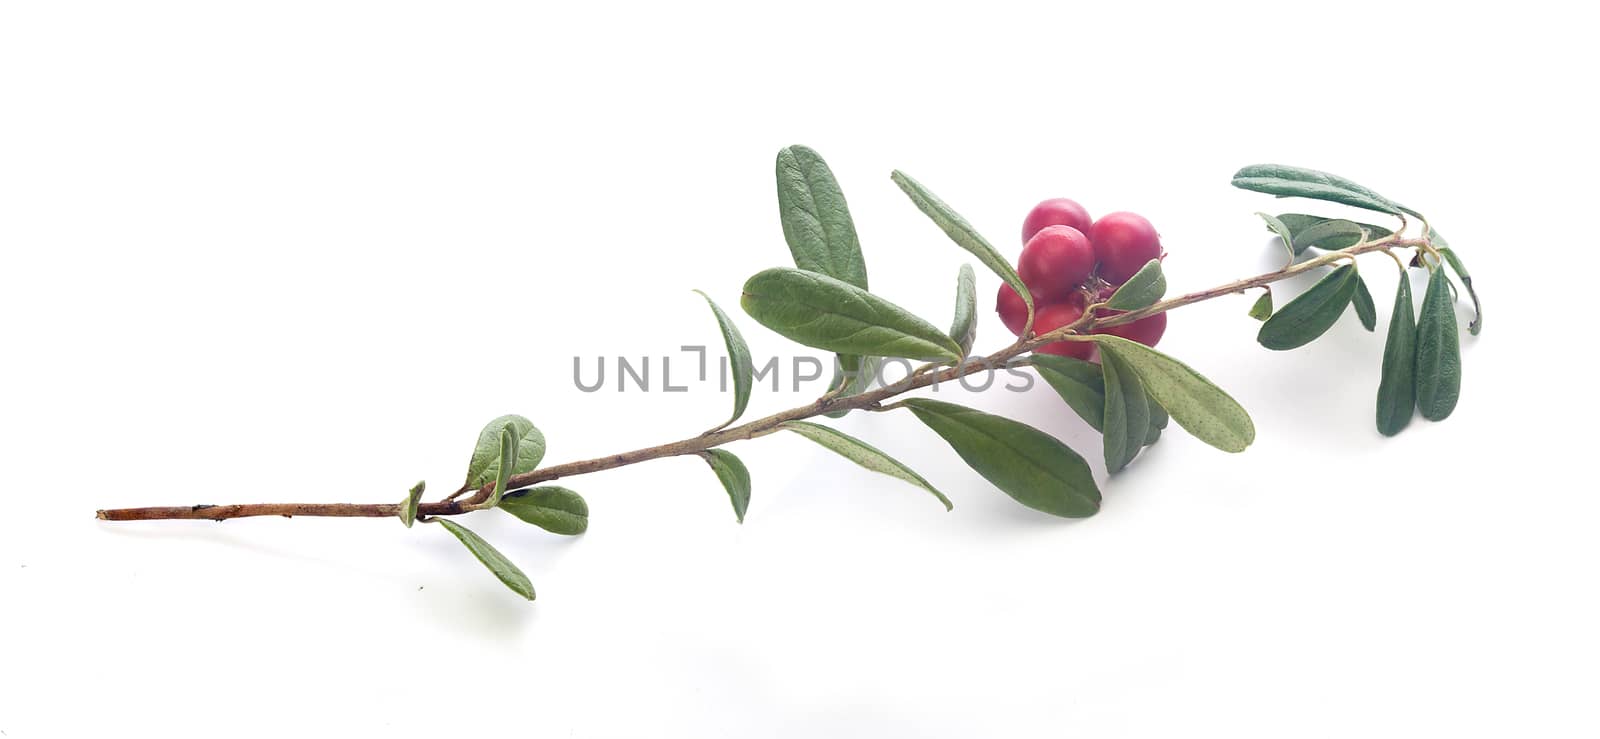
x=1158 y=421
x=1366 y=310
x=1278 y=227
x=1455 y=263
x=962 y=233
x=1285 y=181
x=859 y=372
x=1127 y=414
x=1082 y=386
x=1261 y=310
x=1199 y=406
x=1311 y=313
x=552 y=508
x=485 y=464
x=863 y=454
x=964 y=327
x=408 y=507
x=816 y=219
x=739 y=362
x=1330 y=234
x=1142 y=290
x=1438 y=351
x=491 y=558
x=822 y=312
x=508 y=461
x=735 y=478
x=1077 y=382
x=1397 y=395
x=1031 y=466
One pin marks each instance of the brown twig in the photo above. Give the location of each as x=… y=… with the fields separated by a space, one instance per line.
x=872 y=399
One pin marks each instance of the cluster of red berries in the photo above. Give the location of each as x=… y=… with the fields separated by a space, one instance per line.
x=1069 y=260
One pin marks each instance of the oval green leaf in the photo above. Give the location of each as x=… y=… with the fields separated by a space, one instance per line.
x=735 y=478
x=863 y=454
x=1077 y=382
x=1318 y=232
x=408 y=507
x=1127 y=414
x=1311 y=313
x=820 y=311
x=961 y=232
x=552 y=508
x=816 y=219
x=1261 y=310
x=485 y=465
x=1438 y=351
x=491 y=558
x=1032 y=467
x=1366 y=310
x=1142 y=290
x=739 y=361
x=964 y=327
x=1397 y=395
x=1286 y=181
x=1198 y=405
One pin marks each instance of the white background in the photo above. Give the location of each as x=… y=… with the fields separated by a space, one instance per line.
x=301 y=251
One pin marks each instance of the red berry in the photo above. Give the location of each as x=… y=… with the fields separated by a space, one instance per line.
x=1055 y=212
x=1055 y=261
x=1052 y=317
x=1013 y=312
x=1123 y=242
x=1146 y=331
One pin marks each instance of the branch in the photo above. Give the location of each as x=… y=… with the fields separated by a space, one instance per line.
x=871 y=400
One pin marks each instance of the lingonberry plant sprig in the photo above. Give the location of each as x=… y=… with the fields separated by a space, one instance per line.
x=1087 y=302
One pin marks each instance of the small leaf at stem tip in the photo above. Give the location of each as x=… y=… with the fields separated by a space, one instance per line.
x=1286 y=181
x=485 y=465
x=962 y=232
x=1127 y=414
x=735 y=478
x=408 y=507
x=1277 y=226
x=1438 y=351
x=491 y=558
x=1262 y=309
x=863 y=454
x=1032 y=467
x=1317 y=232
x=820 y=311
x=1077 y=382
x=1397 y=393
x=964 y=327
x=552 y=508
x=1142 y=290
x=1198 y=405
x=816 y=220
x=1460 y=268
x=1311 y=313
x=508 y=461
x=739 y=361
x=1366 y=310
